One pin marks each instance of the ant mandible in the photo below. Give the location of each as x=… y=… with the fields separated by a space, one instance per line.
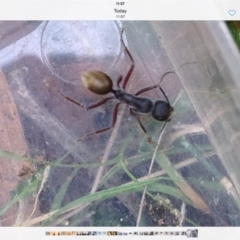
x=100 y=83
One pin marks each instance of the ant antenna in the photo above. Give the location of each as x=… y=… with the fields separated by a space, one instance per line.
x=166 y=73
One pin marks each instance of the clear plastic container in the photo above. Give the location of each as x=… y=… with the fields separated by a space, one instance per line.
x=193 y=179
x=208 y=66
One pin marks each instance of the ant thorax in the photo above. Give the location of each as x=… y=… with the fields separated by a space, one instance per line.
x=142 y=105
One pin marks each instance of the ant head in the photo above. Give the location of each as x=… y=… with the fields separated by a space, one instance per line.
x=97 y=82
x=162 y=111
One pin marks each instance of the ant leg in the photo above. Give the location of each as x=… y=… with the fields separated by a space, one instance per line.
x=134 y=113
x=119 y=80
x=155 y=86
x=103 y=101
x=150 y=88
x=97 y=104
x=129 y=73
x=114 y=119
x=145 y=90
x=71 y=100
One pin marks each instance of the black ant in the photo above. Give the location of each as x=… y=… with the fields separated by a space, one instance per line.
x=101 y=84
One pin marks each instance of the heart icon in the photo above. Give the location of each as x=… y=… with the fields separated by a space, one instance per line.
x=232 y=12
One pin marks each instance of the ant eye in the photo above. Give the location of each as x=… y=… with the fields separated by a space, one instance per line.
x=161 y=111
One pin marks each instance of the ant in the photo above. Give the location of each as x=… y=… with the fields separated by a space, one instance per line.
x=100 y=83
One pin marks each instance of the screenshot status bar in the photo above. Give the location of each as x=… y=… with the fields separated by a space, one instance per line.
x=120 y=10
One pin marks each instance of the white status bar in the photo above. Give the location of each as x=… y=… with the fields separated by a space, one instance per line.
x=119 y=10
